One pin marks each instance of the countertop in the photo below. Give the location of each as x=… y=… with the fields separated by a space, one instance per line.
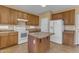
x=7 y=31
x=40 y=34
x=69 y=28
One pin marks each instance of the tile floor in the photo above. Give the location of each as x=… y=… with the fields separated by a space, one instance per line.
x=54 y=48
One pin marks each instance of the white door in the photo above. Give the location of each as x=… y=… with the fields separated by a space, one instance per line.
x=44 y=23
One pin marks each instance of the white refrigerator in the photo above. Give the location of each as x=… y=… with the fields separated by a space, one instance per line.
x=56 y=27
x=77 y=29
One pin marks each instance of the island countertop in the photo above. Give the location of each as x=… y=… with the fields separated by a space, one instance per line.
x=40 y=34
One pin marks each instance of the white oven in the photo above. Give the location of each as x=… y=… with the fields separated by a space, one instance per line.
x=22 y=37
x=22 y=34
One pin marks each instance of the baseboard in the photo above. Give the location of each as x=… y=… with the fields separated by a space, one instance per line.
x=55 y=43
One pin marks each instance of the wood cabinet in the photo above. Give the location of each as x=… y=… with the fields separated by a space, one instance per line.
x=67 y=16
x=36 y=20
x=25 y=16
x=10 y=16
x=3 y=40
x=4 y=15
x=13 y=17
x=19 y=14
x=8 y=39
x=13 y=38
x=57 y=16
x=33 y=19
x=68 y=38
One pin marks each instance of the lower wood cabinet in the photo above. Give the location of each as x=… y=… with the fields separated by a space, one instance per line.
x=3 y=41
x=68 y=38
x=12 y=40
x=8 y=39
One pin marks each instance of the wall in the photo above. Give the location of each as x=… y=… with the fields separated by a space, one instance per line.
x=45 y=15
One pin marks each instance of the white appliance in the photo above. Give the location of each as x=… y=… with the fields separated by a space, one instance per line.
x=56 y=27
x=44 y=24
x=77 y=29
x=22 y=32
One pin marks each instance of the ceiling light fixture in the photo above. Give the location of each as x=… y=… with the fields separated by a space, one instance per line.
x=43 y=5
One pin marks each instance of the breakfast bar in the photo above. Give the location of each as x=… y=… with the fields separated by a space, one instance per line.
x=38 y=42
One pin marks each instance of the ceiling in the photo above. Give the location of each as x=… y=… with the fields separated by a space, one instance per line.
x=37 y=9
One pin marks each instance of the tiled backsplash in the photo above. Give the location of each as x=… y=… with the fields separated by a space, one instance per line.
x=32 y=27
x=6 y=27
x=69 y=27
x=11 y=27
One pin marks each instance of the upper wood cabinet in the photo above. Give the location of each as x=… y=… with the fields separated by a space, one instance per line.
x=37 y=20
x=25 y=16
x=33 y=19
x=29 y=17
x=67 y=16
x=19 y=14
x=10 y=16
x=13 y=17
x=4 y=15
x=57 y=16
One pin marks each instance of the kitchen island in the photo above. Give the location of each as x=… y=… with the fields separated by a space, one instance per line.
x=38 y=42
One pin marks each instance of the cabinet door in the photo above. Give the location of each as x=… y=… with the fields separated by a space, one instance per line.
x=13 y=40
x=36 y=20
x=29 y=17
x=66 y=16
x=57 y=16
x=68 y=38
x=69 y=17
x=4 y=15
x=13 y=16
x=72 y=17
x=3 y=41
x=25 y=16
x=19 y=14
x=33 y=20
